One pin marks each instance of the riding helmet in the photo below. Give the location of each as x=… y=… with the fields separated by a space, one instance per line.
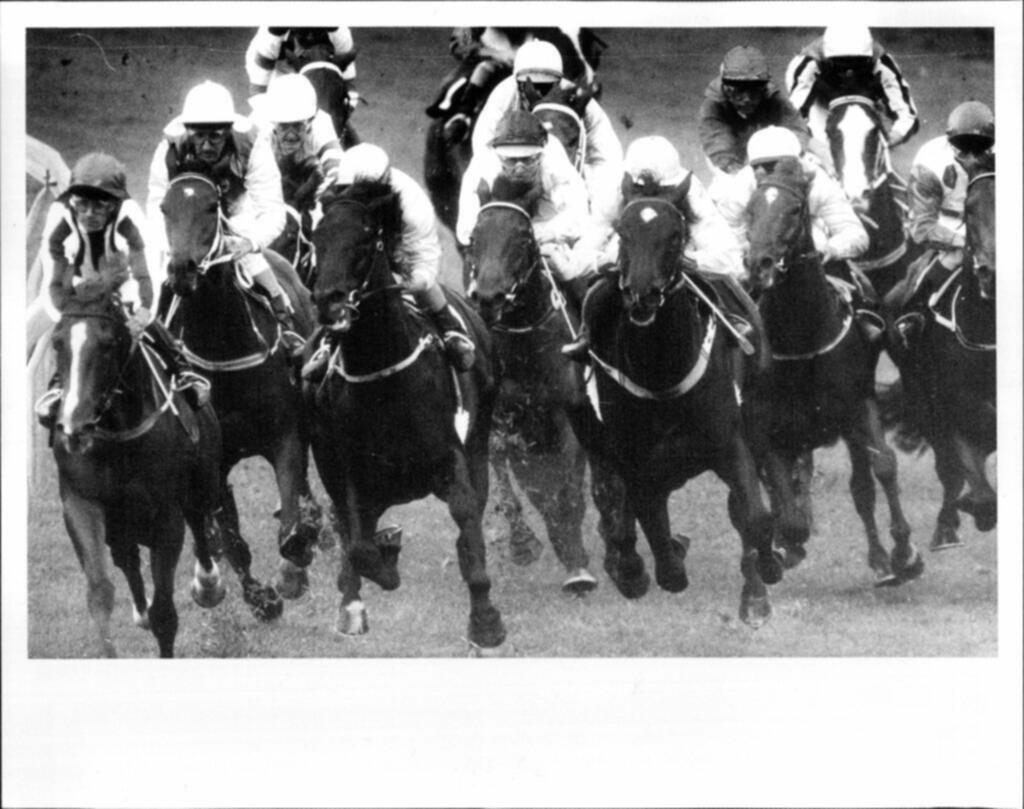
x=538 y=61
x=208 y=103
x=847 y=40
x=744 y=63
x=772 y=143
x=654 y=157
x=98 y=172
x=520 y=134
x=290 y=98
x=972 y=118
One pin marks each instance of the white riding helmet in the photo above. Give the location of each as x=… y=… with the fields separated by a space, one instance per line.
x=847 y=40
x=290 y=98
x=538 y=60
x=654 y=157
x=208 y=103
x=364 y=161
x=772 y=143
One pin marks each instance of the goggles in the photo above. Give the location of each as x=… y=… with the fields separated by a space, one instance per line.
x=92 y=205
x=294 y=127
x=214 y=135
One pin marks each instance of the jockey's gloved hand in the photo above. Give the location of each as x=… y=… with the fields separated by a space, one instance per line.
x=240 y=246
x=138 y=321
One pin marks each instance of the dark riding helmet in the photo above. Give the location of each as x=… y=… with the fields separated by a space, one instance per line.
x=98 y=176
x=745 y=64
x=971 y=127
x=520 y=134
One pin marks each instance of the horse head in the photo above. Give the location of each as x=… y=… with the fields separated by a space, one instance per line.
x=331 y=88
x=652 y=233
x=194 y=224
x=561 y=111
x=502 y=251
x=91 y=342
x=354 y=241
x=859 y=149
x=778 y=223
x=980 y=221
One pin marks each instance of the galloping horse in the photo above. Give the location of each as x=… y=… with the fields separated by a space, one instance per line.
x=669 y=408
x=444 y=162
x=862 y=161
x=820 y=385
x=391 y=421
x=231 y=335
x=135 y=463
x=949 y=372
x=529 y=319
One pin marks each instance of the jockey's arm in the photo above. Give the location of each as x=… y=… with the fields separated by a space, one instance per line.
x=57 y=272
x=801 y=76
x=603 y=159
x=924 y=217
x=898 y=102
x=482 y=168
x=712 y=244
x=156 y=191
x=844 y=235
x=344 y=45
x=325 y=141
x=260 y=58
x=420 y=246
x=717 y=139
x=733 y=201
x=501 y=100
x=566 y=195
x=132 y=227
x=265 y=216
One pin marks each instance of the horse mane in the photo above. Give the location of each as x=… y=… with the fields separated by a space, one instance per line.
x=377 y=196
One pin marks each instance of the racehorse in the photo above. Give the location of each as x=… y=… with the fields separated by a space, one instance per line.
x=820 y=385
x=949 y=372
x=860 y=153
x=669 y=408
x=391 y=420
x=444 y=162
x=135 y=463
x=530 y=320
x=561 y=111
x=231 y=336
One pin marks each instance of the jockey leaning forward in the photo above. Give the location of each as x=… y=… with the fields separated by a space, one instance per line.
x=522 y=151
x=538 y=67
x=846 y=60
x=210 y=139
x=938 y=191
x=653 y=169
x=417 y=257
x=274 y=52
x=739 y=102
x=94 y=230
x=836 y=229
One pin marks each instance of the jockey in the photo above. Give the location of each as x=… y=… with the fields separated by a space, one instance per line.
x=95 y=231
x=209 y=138
x=522 y=151
x=305 y=146
x=938 y=189
x=739 y=102
x=653 y=167
x=274 y=52
x=417 y=256
x=836 y=229
x=847 y=60
x=537 y=68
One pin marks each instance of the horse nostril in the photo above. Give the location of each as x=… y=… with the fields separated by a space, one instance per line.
x=765 y=263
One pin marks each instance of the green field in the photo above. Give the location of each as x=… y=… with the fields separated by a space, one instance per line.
x=115 y=89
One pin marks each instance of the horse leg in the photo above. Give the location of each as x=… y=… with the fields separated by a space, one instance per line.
x=792 y=526
x=165 y=551
x=126 y=558
x=486 y=629
x=760 y=564
x=207 y=586
x=951 y=476
x=263 y=601
x=85 y=523
x=300 y=517
x=651 y=508
x=617 y=527
x=980 y=501
x=523 y=545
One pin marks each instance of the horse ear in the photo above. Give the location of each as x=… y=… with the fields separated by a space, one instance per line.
x=680 y=197
x=483 y=192
x=790 y=169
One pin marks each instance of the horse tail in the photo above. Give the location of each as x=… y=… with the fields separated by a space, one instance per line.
x=897 y=415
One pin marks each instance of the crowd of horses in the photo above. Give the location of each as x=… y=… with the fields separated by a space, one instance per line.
x=666 y=396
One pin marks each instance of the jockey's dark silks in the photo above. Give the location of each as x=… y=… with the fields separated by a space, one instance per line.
x=228 y=173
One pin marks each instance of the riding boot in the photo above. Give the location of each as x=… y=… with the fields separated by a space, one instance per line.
x=48 y=405
x=195 y=387
x=458 y=346
x=868 y=311
x=290 y=336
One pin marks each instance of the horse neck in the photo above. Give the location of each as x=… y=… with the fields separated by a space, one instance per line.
x=660 y=355
x=799 y=310
x=134 y=398
x=384 y=334
x=218 y=320
x=888 y=216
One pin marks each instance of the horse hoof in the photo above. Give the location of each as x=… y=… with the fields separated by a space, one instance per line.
x=264 y=603
x=524 y=548
x=141 y=619
x=579 y=583
x=755 y=610
x=207 y=589
x=945 y=538
x=628 y=576
x=297 y=548
x=366 y=560
x=886 y=579
x=292 y=581
x=983 y=510
x=908 y=565
x=486 y=628
x=770 y=566
x=793 y=555
x=352 y=619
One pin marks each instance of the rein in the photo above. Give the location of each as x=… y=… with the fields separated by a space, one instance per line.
x=951 y=323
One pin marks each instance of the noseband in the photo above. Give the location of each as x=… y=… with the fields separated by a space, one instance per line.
x=676 y=279
x=788 y=260
x=213 y=255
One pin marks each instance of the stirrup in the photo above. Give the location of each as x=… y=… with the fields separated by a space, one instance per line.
x=908 y=326
x=46 y=407
x=871 y=324
x=460 y=350
x=193 y=385
x=294 y=342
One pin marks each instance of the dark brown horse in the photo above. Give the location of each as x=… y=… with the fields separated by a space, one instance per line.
x=821 y=385
x=530 y=320
x=231 y=336
x=332 y=95
x=948 y=374
x=860 y=153
x=135 y=463
x=668 y=407
x=392 y=422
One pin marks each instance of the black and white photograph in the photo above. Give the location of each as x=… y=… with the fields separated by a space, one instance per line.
x=517 y=404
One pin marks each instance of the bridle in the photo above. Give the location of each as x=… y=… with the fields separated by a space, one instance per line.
x=675 y=280
x=787 y=261
x=214 y=254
